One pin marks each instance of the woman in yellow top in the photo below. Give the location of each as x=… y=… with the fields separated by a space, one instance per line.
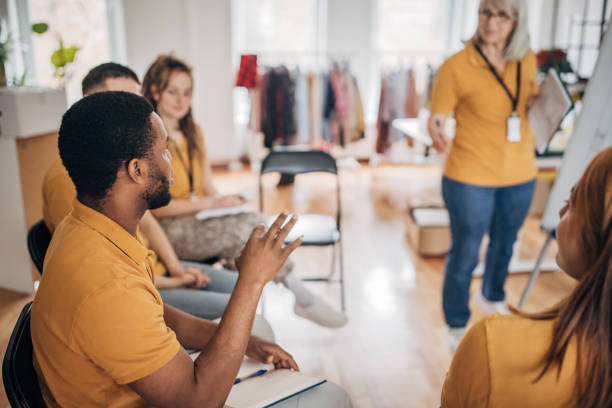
x=562 y=357
x=489 y=176
x=168 y=85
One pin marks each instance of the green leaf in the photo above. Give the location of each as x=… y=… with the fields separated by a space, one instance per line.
x=63 y=55
x=40 y=28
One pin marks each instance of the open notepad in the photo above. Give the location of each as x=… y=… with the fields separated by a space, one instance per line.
x=223 y=211
x=249 y=195
x=261 y=385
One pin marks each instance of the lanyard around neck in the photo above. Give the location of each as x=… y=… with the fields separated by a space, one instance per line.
x=188 y=168
x=514 y=99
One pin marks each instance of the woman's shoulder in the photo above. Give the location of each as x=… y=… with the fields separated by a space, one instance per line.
x=460 y=57
x=514 y=324
x=529 y=57
x=505 y=332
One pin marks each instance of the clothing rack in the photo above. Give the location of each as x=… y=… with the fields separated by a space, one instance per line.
x=404 y=150
x=312 y=104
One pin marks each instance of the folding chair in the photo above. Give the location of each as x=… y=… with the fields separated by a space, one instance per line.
x=20 y=380
x=318 y=230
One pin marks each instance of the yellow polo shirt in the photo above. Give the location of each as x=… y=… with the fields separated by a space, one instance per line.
x=58 y=195
x=97 y=320
x=180 y=170
x=480 y=153
x=497 y=362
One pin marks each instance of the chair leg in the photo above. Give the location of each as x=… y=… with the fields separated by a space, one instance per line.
x=332 y=268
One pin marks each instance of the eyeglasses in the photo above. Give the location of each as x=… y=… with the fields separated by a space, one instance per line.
x=501 y=16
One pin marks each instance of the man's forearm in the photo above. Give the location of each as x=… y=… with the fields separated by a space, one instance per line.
x=220 y=360
x=192 y=332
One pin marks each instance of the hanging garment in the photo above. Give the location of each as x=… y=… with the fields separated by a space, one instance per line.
x=382 y=124
x=328 y=108
x=278 y=123
x=353 y=126
x=339 y=91
x=255 y=114
x=247 y=73
x=315 y=100
x=302 y=118
x=411 y=107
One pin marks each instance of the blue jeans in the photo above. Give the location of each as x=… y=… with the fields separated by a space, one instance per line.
x=208 y=302
x=474 y=211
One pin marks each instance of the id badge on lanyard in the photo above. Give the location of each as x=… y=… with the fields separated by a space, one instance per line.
x=513 y=128
x=513 y=123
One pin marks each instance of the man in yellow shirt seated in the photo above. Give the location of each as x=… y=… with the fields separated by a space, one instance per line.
x=195 y=288
x=102 y=336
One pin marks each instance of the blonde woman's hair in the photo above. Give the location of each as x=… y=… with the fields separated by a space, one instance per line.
x=518 y=42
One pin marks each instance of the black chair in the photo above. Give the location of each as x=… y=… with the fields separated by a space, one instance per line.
x=20 y=380
x=38 y=241
x=318 y=230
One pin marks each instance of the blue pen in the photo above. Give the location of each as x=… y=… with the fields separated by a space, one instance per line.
x=255 y=374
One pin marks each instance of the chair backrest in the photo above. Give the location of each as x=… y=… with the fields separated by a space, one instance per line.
x=38 y=241
x=20 y=380
x=297 y=162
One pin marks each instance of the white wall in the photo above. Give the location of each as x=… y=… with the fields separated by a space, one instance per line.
x=198 y=31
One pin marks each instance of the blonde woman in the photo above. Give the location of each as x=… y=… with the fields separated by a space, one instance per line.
x=168 y=85
x=489 y=175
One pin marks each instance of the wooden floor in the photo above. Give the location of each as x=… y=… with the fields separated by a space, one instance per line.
x=393 y=352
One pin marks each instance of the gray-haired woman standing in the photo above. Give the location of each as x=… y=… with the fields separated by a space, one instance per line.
x=489 y=176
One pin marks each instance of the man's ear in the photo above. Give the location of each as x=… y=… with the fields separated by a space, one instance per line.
x=137 y=170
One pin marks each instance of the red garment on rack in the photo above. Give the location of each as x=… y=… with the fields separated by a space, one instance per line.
x=247 y=74
x=411 y=107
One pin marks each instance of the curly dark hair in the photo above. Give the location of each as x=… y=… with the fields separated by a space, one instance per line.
x=99 y=134
x=96 y=76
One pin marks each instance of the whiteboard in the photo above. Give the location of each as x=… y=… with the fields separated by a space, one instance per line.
x=592 y=133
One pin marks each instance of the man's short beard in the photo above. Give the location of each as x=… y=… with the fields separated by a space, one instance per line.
x=157 y=193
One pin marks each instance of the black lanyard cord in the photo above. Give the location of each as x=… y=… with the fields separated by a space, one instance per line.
x=188 y=169
x=501 y=81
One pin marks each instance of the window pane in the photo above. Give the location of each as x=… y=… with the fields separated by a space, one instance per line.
x=412 y=25
x=79 y=22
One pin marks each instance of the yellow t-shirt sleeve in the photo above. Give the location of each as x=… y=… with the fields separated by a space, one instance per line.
x=532 y=72
x=121 y=328
x=467 y=382
x=444 y=96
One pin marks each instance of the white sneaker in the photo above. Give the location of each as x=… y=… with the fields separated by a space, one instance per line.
x=491 y=307
x=455 y=335
x=321 y=313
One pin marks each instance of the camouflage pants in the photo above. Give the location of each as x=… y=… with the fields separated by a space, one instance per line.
x=196 y=240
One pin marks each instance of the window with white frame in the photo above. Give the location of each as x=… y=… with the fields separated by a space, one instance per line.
x=83 y=23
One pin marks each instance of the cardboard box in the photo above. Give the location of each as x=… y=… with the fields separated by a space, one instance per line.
x=544 y=184
x=429 y=230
